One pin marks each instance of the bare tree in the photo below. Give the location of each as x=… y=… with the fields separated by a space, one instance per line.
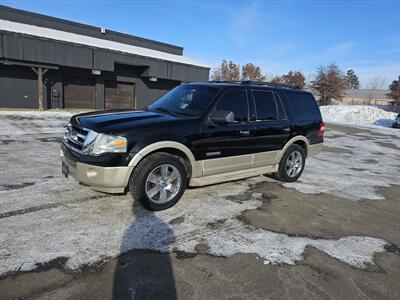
x=295 y=78
x=252 y=72
x=329 y=83
x=226 y=71
x=277 y=79
x=376 y=83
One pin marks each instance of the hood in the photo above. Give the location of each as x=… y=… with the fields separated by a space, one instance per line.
x=120 y=121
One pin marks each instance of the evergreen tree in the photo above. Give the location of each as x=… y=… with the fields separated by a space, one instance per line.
x=394 y=88
x=352 y=81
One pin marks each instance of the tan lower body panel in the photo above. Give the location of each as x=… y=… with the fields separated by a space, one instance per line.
x=234 y=175
x=226 y=164
x=263 y=159
x=238 y=167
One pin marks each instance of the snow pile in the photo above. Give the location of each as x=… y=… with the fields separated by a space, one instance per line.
x=31 y=122
x=37 y=114
x=357 y=114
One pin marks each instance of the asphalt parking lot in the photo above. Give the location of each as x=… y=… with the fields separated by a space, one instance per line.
x=335 y=234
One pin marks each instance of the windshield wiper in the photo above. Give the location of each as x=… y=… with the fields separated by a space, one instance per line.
x=164 y=109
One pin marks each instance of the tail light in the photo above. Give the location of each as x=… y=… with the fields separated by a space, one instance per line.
x=321 y=129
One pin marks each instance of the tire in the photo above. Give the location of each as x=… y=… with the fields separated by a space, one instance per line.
x=154 y=173
x=284 y=174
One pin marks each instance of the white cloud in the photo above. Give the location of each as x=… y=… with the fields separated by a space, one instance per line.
x=244 y=21
x=384 y=72
x=340 y=48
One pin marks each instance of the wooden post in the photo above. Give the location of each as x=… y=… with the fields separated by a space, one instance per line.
x=40 y=73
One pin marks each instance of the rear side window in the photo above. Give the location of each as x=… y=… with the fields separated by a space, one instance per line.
x=304 y=106
x=268 y=106
x=266 y=109
x=235 y=101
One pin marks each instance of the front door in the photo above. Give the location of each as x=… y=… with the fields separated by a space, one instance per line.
x=271 y=130
x=227 y=147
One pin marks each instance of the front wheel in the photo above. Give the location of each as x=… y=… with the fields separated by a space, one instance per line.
x=292 y=163
x=158 y=181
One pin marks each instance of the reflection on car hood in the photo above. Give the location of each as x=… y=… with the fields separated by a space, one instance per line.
x=113 y=121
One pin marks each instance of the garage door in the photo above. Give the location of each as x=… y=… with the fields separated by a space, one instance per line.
x=119 y=95
x=79 y=92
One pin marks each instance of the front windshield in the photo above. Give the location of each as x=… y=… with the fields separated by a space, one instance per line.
x=188 y=100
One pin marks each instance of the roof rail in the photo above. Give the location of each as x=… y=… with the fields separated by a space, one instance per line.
x=225 y=81
x=254 y=82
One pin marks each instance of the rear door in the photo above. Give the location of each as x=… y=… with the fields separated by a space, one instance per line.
x=228 y=147
x=271 y=126
x=79 y=92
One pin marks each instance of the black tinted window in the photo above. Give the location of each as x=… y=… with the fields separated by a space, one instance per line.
x=235 y=101
x=304 y=106
x=265 y=105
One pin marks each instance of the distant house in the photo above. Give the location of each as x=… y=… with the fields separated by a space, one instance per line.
x=367 y=97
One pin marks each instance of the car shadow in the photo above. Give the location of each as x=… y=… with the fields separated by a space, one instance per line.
x=146 y=271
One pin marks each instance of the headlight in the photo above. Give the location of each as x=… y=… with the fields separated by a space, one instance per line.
x=103 y=143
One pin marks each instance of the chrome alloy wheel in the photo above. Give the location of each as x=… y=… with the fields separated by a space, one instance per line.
x=163 y=183
x=294 y=164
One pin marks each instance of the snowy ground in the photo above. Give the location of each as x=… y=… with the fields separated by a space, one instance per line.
x=44 y=216
x=357 y=114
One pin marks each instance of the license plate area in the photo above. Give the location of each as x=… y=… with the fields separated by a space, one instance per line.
x=65 y=169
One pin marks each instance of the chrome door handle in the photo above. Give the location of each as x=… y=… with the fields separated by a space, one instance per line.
x=244 y=132
x=286 y=129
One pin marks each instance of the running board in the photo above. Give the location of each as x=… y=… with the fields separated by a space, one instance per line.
x=235 y=175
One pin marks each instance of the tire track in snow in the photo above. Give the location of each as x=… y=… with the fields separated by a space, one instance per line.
x=49 y=206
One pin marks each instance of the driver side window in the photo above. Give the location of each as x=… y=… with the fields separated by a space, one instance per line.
x=234 y=101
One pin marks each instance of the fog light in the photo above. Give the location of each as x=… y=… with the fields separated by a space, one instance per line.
x=91 y=173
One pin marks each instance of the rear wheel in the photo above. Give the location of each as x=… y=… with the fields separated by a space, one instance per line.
x=158 y=181
x=292 y=163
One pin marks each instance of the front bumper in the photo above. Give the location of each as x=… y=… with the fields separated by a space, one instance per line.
x=104 y=179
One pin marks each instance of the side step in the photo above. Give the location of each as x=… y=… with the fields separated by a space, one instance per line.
x=235 y=175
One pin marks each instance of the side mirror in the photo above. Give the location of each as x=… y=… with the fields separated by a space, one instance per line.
x=222 y=117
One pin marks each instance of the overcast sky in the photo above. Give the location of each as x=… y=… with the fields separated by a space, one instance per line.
x=277 y=35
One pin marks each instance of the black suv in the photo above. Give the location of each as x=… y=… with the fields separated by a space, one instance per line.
x=195 y=135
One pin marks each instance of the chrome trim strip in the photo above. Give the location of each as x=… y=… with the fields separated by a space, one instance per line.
x=213 y=153
x=80 y=135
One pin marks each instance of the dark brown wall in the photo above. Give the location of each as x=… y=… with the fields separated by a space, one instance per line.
x=18 y=86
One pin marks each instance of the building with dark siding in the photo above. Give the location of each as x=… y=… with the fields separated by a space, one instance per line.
x=53 y=63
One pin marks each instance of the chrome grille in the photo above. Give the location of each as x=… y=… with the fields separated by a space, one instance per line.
x=75 y=137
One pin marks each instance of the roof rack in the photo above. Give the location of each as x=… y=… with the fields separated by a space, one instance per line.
x=253 y=82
